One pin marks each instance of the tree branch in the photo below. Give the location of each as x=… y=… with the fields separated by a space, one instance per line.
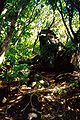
x=9 y=34
x=60 y=11
x=8 y=37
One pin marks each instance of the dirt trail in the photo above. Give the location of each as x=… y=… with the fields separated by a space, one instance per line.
x=50 y=96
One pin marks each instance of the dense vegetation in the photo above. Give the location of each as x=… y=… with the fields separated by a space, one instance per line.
x=39 y=39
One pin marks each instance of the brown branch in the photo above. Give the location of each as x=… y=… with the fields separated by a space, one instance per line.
x=51 y=24
x=9 y=34
x=60 y=11
x=8 y=38
x=70 y=25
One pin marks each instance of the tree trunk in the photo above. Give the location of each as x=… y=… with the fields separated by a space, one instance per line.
x=7 y=40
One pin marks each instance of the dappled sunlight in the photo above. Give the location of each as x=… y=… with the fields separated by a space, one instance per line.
x=60 y=99
x=39 y=60
x=2 y=58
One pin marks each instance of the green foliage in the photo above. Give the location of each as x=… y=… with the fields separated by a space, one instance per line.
x=74 y=84
x=16 y=72
x=20 y=71
x=62 y=92
x=34 y=15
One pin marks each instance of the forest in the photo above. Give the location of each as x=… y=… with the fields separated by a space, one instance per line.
x=39 y=59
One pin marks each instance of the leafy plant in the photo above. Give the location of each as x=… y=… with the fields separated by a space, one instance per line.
x=74 y=83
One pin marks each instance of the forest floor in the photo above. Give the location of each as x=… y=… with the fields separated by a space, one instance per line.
x=49 y=96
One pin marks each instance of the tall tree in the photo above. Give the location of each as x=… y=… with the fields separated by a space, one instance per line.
x=12 y=16
x=68 y=9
